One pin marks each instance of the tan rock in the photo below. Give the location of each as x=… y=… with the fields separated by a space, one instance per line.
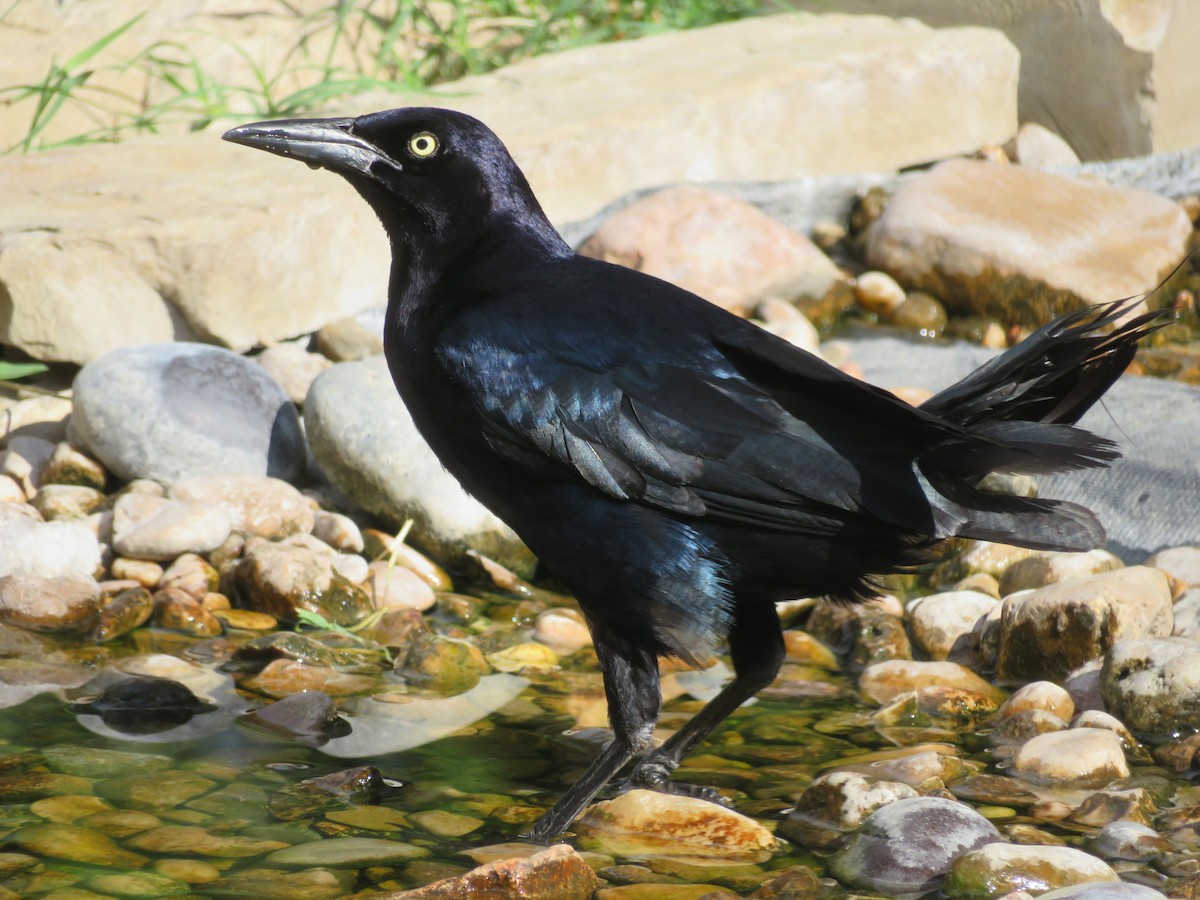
x=1024 y=246
x=884 y=681
x=721 y=248
x=1038 y=147
x=556 y=873
x=67 y=605
x=256 y=505
x=1114 y=78
x=642 y=823
x=1042 y=569
x=1046 y=633
x=1077 y=757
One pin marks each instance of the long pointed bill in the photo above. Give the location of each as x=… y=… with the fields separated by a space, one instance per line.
x=322 y=143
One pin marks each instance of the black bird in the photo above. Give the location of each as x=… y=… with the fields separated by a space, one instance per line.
x=680 y=469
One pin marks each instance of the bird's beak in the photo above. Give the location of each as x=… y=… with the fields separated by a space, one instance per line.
x=322 y=143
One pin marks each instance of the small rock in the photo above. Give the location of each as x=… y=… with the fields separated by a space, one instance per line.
x=1095 y=718
x=40 y=417
x=143 y=571
x=783 y=320
x=562 y=630
x=390 y=587
x=154 y=528
x=309 y=717
x=1078 y=757
x=348 y=340
x=906 y=847
x=721 y=248
x=1037 y=147
x=1106 y=891
x=293 y=368
x=10 y=491
x=66 y=501
x=1187 y=614
x=884 y=681
x=869 y=631
x=56 y=605
x=1043 y=695
x=193 y=841
x=138 y=884
x=179 y=410
x=1104 y=807
x=921 y=314
x=338 y=531
x=999 y=868
x=346 y=853
x=256 y=505
x=942 y=624
x=641 y=823
x=1045 y=633
x=278 y=579
x=1051 y=568
x=1019 y=727
x=522 y=656
x=1182 y=563
x=984 y=557
x=836 y=803
x=878 y=292
x=75 y=844
x=444 y=823
x=441 y=664
x=176 y=611
x=1153 y=686
x=192 y=574
x=70 y=465
x=23 y=461
x=119 y=615
x=1131 y=841
x=556 y=873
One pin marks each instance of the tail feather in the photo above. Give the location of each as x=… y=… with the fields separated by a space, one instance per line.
x=1018 y=413
x=1056 y=374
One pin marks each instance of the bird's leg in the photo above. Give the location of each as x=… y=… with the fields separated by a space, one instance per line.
x=632 y=688
x=756 y=647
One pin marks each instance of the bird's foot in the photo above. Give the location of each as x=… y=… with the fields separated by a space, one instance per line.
x=654 y=774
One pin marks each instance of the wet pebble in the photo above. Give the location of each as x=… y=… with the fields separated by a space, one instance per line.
x=23 y=460
x=138 y=884
x=155 y=528
x=1040 y=695
x=837 y=803
x=285 y=677
x=641 y=823
x=562 y=630
x=1042 y=569
x=308 y=717
x=75 y=844
x=338 y=531
x=53 y=605
x=192 y=574
x=98 y=762
x=278 y=579
x=176 y=611
x=908 y=846
x=390 y=587
x=878 y=292
x=1000 y=868
x=66 y=502
x=920 y=313
x=556 y=873
x=444 y=823
x=271 y=884
x=256 y=505
x=145 y=572
x=346 y=853
x=154 y=791
x=1078 y=757
x=1182 y=563
x=885 y=680
x=1047 y=632
x=1108 y=891
x=1153 y=686
x=1129 y=841
x=942 y=625
x=189 y=840
x=1131 y=804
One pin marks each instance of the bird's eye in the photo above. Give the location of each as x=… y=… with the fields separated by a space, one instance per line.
x=423 y=144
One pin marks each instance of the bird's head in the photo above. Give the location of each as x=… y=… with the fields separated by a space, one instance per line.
x=422 y=169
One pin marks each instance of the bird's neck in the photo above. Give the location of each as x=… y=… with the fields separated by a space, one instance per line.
x=430 y=280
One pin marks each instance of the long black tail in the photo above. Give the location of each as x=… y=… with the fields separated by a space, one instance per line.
x=1018 y=412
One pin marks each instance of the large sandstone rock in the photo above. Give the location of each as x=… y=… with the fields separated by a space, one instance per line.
x=181 y=237
x=1024 y=246
x=1113 y=78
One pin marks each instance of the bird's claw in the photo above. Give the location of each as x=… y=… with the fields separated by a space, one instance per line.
x=655 y=775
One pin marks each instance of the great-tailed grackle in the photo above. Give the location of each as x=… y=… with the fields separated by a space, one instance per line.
x=677 y=467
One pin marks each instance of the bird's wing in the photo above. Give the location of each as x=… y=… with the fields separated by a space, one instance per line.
x=707 y=440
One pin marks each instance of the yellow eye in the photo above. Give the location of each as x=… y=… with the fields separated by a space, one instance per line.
x=423 y=144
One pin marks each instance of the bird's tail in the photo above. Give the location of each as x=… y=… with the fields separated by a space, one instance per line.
x=1017 y=413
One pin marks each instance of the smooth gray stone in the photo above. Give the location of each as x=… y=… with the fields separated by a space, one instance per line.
x=181 y=410
x=1147 y=500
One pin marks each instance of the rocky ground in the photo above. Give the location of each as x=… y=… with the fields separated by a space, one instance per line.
x=255 y=642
